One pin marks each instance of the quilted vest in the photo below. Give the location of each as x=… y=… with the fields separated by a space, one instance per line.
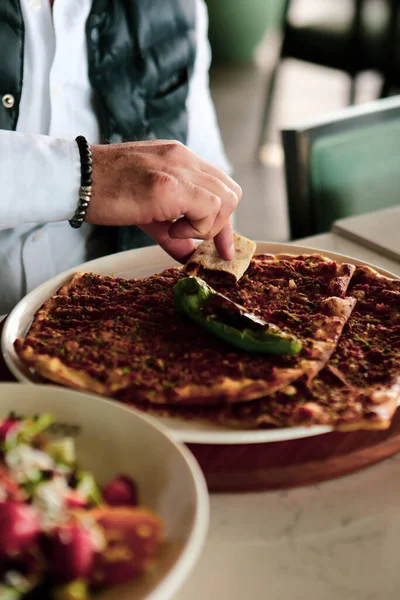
x=141 y=55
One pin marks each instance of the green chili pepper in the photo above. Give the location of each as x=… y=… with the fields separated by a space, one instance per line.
x=229 y=321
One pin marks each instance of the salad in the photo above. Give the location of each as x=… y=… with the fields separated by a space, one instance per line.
x=62 y=536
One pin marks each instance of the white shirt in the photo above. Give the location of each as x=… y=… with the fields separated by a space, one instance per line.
x=40 y=167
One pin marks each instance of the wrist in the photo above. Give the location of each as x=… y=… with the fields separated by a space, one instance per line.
x=108 y=174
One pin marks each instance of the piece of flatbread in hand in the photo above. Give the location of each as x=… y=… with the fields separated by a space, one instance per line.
x=206 y=263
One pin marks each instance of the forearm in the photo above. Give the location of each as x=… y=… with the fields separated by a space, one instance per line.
x=39 y=179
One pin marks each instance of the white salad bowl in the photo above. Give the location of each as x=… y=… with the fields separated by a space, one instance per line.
x=110 y=440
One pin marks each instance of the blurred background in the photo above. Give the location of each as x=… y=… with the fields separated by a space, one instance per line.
x=297 y=41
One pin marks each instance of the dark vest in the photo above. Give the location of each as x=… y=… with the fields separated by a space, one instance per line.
x=141 y=56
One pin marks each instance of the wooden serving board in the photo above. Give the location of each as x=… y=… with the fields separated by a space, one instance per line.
x=285 y=464
x=278 y=465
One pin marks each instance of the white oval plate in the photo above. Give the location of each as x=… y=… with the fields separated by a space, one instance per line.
x=112 y=439
x=141 y=263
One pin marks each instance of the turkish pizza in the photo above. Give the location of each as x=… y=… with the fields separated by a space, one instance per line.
x=282 y=341
x=358 y=388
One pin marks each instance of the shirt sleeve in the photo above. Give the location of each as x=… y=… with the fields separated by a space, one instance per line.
x=39 y=179
x=204 y=136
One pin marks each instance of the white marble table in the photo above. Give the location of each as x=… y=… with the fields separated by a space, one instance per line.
x=338 y=540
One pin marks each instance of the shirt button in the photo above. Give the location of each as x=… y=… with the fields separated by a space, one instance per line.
x=8 y=101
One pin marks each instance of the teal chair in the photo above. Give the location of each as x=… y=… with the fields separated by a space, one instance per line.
x=345 y=164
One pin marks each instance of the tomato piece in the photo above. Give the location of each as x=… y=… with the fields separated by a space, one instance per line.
x=133 y=538
x=71 y=553
x=121 y=491
x=74 y=500
x=6 y=426
x=19 y=529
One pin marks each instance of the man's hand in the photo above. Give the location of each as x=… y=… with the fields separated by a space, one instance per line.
x=168 y=191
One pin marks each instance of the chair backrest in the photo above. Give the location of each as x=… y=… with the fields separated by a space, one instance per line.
x=345 y=164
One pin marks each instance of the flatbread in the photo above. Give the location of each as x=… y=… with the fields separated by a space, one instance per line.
x=125 y=339
x=206 y=263
x=304 y=293
x=360 y=386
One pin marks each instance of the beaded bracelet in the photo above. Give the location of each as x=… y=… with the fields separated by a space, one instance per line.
x=85 y=190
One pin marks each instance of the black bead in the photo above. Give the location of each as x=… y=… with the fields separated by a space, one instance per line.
x=75 y=224
x=83 y=204
x=84 y=154
x=86 y=170
x=82 y=142
x=85 y=157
